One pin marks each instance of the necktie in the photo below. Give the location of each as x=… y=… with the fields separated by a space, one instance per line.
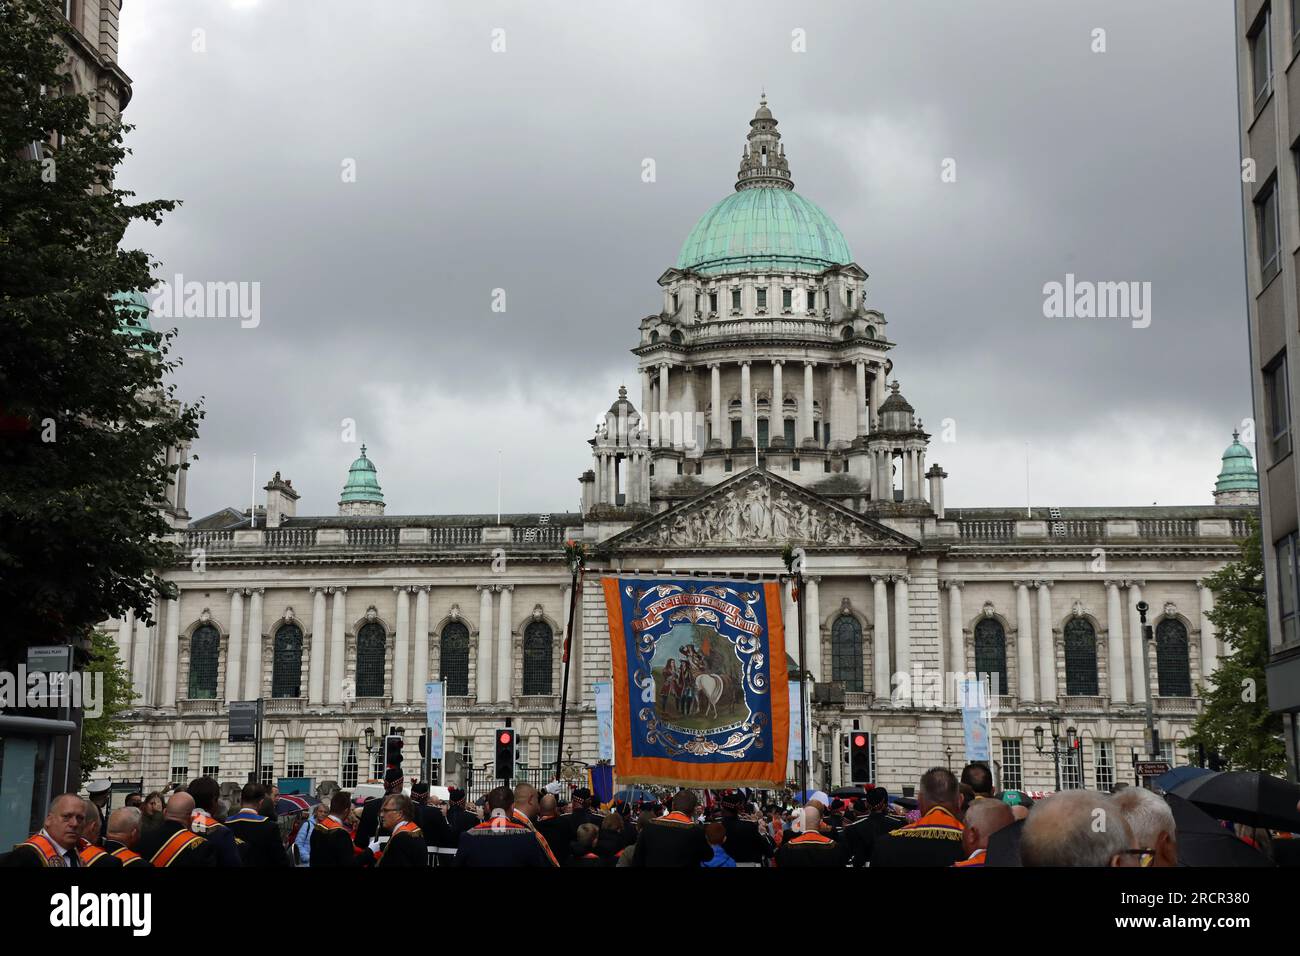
x=72 y=859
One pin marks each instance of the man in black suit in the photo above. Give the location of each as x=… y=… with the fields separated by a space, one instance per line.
x=499 y=840
x=744 y=843
x=675 y=839
x=429 y=818
x=860 y=837
x=172 y=842
x=553 y=827
x=259 y=835
x=370 y=827
x=331 y=844
x=934 y=839
x=406 y=846
x=459 y=818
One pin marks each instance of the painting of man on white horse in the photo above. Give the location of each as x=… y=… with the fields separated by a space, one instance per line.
x=697 y=678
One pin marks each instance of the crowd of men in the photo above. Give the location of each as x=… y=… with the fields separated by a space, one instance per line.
x=955 y=823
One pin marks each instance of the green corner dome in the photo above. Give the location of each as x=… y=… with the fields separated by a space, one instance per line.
x=133 y=312
x=363 y=482
x=1238 y=473
x=773 y=230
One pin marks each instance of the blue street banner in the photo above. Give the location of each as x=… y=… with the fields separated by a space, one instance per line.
x=796 y=710
x=699 y=681
x=604 y=719
x=435 y=698
x=975 y=719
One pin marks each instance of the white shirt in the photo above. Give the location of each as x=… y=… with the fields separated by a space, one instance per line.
x=63 y=852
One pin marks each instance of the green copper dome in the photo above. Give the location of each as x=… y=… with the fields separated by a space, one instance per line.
x=363 y=482
x=773 y=230
x=1238 y=472
x=133 y=312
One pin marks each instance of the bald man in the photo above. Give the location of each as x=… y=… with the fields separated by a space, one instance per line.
x=56 y=843
x=172 y=843
x=984 y=818
x=89 y=851
x=124 y=836
x=811 y=847
x=1076 y=828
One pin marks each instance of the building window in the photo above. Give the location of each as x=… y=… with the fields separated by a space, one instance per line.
x=267 y=776
x=812 y=298
x=787 y=299
x=697 y=302
x=762 y=433
x=726 y=464
x=205 y=649
x=846 y=652
x=794 y=464
x=1277 y=399
x=1173 y=669
x=735 y=300
x=991 y=655
x=539 y=645
x=675 y=302
x=762 y=298
x=295 y=758
x=1268 y=229
x=550 y=751
x=1011 y=777
x=180 y=762
x=1071 y=769
x=1105 y=764
x=713 y=302
x=1080 y=658
x=347 y=764
x=788 y=432
x=370 y=660
x=210 y=759
x=1167 y=752
x=286 y=667
x=1286 y=587
x=454 y=659
x=848 y=298
x=1261 y=59
x=735 y=433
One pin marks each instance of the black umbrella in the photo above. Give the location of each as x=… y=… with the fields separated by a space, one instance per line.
x=850 y=793
x=1245 y=796
x=1203 y=841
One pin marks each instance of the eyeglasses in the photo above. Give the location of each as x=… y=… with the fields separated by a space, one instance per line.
x=1145 y=857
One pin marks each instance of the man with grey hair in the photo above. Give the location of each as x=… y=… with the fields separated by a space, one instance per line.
x=1152 y=823
x=1076 y=828
x=124 y=835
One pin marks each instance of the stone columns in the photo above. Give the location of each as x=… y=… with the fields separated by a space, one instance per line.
x=319 y=645
x=126 y=638
x=483 y=684
x=235 y=646
x=806 y=407
x=1209 y=644
x=1046 y=647
x=402 y=648
x=877 y=390
x=338 y=643
x=647 y=391
x=909 y=475
x=1024 y=645
x=689 y=433
x=253 y=670
x=171 y=651
x=611 y=479
x=746 y=404
x=880 y=638
x=421 y=642
x=1115 y=643
x=956 y=639
x=776 y=416
x=141 y=655
x=665 y=425
x=860 y=367
x=715 y=395
x=902 y=627
x=813 y=622
x=504 y=631
x=180 y=478
x=1137 y=646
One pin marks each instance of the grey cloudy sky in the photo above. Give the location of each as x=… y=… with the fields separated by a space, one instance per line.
x=521 y=170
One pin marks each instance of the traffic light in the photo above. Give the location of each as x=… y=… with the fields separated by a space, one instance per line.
x=859 y=757
x=505 y=754
x=393 y=752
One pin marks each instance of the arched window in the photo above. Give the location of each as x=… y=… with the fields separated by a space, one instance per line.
x=991 y=654
x=846 y=652
x=1173 y=669
x=286 y=662
x=675 y=337
x=454 y=657
x=205 y=650
x=537 y=658
x=1080 y=658
x=371 y=641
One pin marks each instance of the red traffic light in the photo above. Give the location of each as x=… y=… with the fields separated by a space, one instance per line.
x=505 y=737
x=859 y=740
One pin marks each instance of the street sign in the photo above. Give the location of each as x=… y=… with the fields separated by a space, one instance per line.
x=1151 y=768
x=50 y=659
x=243 y=721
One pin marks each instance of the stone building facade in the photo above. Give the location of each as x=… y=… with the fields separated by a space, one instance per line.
x=769 y=416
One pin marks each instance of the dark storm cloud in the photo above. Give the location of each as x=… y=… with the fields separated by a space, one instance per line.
x=521 y=171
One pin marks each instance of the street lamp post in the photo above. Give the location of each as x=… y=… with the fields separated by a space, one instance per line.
x=1153 y=743
x=1071 y=738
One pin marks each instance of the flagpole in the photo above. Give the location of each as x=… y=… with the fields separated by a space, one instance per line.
x=803 y=677
x=252 y=503
x=575 y=591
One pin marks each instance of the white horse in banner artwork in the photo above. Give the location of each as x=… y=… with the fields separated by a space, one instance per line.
x=708 y=691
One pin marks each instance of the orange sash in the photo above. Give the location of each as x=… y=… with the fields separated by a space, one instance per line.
x=180 y=841
x=46 y=849
x=127 y=856
x=90 y=853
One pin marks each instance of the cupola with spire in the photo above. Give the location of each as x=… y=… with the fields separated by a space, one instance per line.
x=1238 y=482
x=763 y=162
x=362 y=494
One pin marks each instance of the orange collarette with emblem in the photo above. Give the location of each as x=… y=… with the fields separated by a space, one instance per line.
x=976 y=859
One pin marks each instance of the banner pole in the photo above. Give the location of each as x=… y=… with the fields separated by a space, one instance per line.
x=575 y=590
x=803 y=677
